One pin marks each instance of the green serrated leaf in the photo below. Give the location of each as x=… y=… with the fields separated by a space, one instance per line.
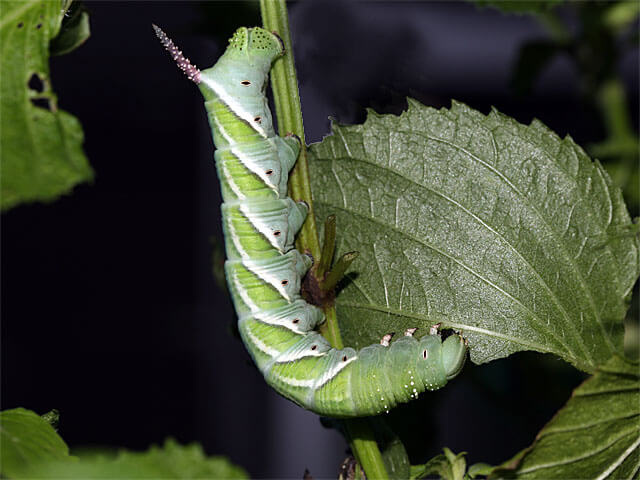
x=40 y=145
x=172 y=461
x=596 y=434
x=27 y=439
x=498 y=229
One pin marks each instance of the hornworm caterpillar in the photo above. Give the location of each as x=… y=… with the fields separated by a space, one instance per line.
x=264 y=270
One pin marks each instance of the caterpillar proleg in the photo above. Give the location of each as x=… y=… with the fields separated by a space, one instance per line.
x=264 y=270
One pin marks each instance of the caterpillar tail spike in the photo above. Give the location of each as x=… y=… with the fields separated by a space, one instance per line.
x=264 y=271
x=190 y=70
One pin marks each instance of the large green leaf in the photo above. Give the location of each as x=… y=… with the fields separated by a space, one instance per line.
x=172 y=461
x=498 y=229
x=40 y=145
x=27 y=439
x=595 y=435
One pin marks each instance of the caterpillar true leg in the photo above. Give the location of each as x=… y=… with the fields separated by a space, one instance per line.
x=264 y=270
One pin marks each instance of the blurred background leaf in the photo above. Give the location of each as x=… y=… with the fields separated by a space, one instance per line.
x=170 y=461
x=40 y=145
x=27 y=439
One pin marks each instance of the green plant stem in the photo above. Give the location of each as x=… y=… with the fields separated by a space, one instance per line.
x=328 y=247
x=338 y=271
x=289 y=115
x=330 y=329
x=365 y=448
x=284 y=83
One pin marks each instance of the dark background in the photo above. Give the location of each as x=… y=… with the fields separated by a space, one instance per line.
x=110 y=312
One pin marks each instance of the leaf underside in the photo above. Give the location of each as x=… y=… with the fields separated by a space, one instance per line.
x=40 y=145
x=596 y=434
x=488 y=226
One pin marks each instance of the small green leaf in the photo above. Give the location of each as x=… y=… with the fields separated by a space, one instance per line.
x=476 y=469
x=173 y=461
x=488 y=226
x=448 y=466
x=74 y=32
x=52 y=418
x=27 y=439
x=596 y=434
x=40 y=145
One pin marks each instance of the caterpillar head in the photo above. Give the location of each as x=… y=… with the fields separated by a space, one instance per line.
x=246 y=61
x=256 y=41
x=454 y=354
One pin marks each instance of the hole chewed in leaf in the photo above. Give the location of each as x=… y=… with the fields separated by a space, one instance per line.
x=35 y=83
x=42 y=103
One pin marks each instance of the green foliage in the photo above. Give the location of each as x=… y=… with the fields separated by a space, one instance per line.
x=74 y=32
x=447 y=466
x=595 y=435
x=498 y=229
x=172 y=461
x=595 y=48
x=621 y=14
x=27 y=439
x=30 y=448
x=52 y=418
x=40 y=145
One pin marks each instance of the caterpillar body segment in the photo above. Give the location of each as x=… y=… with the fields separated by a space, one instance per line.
x=263 y=269
x=276 y=220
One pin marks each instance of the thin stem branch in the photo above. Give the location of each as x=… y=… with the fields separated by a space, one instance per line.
x=328 y=247
x=365 y=448
x=284 y=83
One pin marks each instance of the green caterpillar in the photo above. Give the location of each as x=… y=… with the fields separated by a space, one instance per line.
x=264 y=270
